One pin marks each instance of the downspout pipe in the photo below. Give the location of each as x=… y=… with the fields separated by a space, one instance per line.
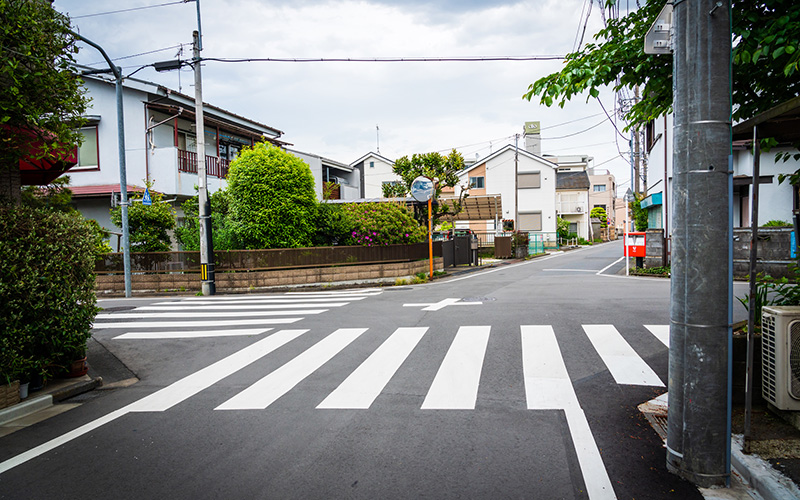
x=123 y=176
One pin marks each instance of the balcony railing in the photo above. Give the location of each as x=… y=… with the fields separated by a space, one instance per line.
x=216 y=167
x=571 y=207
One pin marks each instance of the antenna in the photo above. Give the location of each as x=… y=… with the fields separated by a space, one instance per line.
x=378 y=134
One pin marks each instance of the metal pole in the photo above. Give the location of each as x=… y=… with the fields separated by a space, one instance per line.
x=123 y=176
x=430 y=238
x=516 y=182
x=204 y=209
x=751 y=309
x=698 y=423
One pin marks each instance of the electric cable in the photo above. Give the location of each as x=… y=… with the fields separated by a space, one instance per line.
x=129 y=10
x=139 y=54
x=384 y=59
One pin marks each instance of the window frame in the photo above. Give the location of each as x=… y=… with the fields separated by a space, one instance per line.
x=480 y=182
x=88 y=168
x=524 y=180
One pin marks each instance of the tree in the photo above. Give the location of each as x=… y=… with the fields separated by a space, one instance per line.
x=188 y=233
x=442 y=170
x=639 y=214
x=42 y=99
x=272 y=199
x=600 y=213
x=766 y=39
x=149 y=226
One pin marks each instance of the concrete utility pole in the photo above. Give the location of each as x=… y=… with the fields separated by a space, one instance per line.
x=206 y=243
x=637 y=152
x=699 y=418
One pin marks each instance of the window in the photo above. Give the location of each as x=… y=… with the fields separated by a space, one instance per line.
x=476 y=183
x=372 y=164
x=88 y=150
x=599 y=188
x=601 y=206
x=531 y=221
x=531 y=180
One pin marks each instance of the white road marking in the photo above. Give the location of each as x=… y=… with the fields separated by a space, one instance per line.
x=573 y=270
x=262 y=299
x=192 y=334
x=661 y=332
x=435 y=306
x=548 y=387
x=200 y=323
x=455 y=386
x=606 y=268
x=622 y=361
x=267 y=390
x=359 y=390
x=168 y=396
x=248 y=307
x=200 y=314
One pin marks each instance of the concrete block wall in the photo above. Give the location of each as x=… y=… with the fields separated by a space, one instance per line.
x=774 y=251
x=654 y=248
x=114 y=284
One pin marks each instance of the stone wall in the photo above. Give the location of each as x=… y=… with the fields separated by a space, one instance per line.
x=774 y=251
x=654 y=248
x=114 y=284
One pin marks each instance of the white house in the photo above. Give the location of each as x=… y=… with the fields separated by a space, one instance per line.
x=160 y=144
x=526 y=183
x=344 y=180
x=375 y=171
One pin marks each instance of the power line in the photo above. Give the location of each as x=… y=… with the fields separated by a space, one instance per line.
x=385 y=59
x=139 y=54
x=574 y=134
x=130 y=10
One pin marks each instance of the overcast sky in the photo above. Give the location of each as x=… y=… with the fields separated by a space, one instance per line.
x=332 y=108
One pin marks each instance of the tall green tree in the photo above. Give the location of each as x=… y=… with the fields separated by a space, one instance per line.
x=442 y=170
x=272 y=199
x=766 y=39
x=149 y=226
x=42 y=101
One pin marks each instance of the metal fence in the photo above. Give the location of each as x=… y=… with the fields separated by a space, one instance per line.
x=540 y=241
x=278 y=258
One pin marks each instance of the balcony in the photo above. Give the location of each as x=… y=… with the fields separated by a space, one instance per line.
x=571 y=207
x=215 y=167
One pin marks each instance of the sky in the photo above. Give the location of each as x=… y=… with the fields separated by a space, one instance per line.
x=334 y=109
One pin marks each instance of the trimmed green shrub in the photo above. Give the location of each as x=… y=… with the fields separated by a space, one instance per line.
x=383 y=224
x=272 y=199
x=47 y=298
x=149 y=226
x=777 y=223
x=333 y=225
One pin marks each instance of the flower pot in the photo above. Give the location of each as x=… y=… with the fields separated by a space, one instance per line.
x=23 y=390
x=78 y=368
x=9 y=394
x=36 y=382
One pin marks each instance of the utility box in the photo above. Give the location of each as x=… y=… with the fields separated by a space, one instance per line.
x=635 y=245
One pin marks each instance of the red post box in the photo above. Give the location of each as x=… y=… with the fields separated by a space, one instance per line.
x=635 y=245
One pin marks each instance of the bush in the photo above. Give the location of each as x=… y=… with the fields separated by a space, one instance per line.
x=777 y=223
x=188 y=233
x=148 y=226
x=272 y=199
x=333 y=225
x=382 y=224
x=47 y=298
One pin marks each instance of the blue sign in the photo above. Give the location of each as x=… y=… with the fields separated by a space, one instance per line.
x=146 y=200
x=794 y=245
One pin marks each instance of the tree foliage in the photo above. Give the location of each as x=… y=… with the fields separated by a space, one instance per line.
x=47 y=298
x=272 y=199
x=382 y=224
x=442 y=170
x=41 y=95
x=600 y=213
x=188 y=233
x=149 y=226
x=766 y=39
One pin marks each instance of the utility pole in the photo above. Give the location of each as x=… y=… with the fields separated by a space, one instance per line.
x=516 y=182
x=699 y=417
x=206 y=243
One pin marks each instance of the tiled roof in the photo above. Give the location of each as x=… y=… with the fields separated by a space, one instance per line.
x=572 y=180
x=101 y=189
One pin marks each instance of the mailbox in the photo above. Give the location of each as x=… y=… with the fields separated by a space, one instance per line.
x=635 y=245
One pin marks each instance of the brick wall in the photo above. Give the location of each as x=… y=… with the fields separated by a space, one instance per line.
x=114 y=284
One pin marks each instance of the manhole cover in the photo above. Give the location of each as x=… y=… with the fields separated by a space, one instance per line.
x=478 y=299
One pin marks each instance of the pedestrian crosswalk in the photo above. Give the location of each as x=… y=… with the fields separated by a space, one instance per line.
x=224 y=316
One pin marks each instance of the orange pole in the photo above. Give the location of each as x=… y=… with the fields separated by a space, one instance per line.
x=430 y=240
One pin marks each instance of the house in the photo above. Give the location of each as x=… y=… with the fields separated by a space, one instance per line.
x=602 y=193
x=526 y=183
x=343 y=181
x=776 y=200
x=572 y=193
x=375 y=171
x=160 y=144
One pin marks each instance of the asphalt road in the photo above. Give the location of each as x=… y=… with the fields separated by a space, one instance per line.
x=517 y=382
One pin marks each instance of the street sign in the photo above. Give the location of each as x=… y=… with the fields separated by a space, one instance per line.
x=146 y=200
x=422 y=189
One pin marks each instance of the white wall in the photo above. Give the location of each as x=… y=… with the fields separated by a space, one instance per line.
x=774 y=200
x=375 y=176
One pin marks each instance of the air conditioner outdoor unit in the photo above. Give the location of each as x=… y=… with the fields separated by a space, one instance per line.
x=579 y=209
x=780 y=356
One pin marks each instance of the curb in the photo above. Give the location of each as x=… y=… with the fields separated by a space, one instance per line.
x=38 y=403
